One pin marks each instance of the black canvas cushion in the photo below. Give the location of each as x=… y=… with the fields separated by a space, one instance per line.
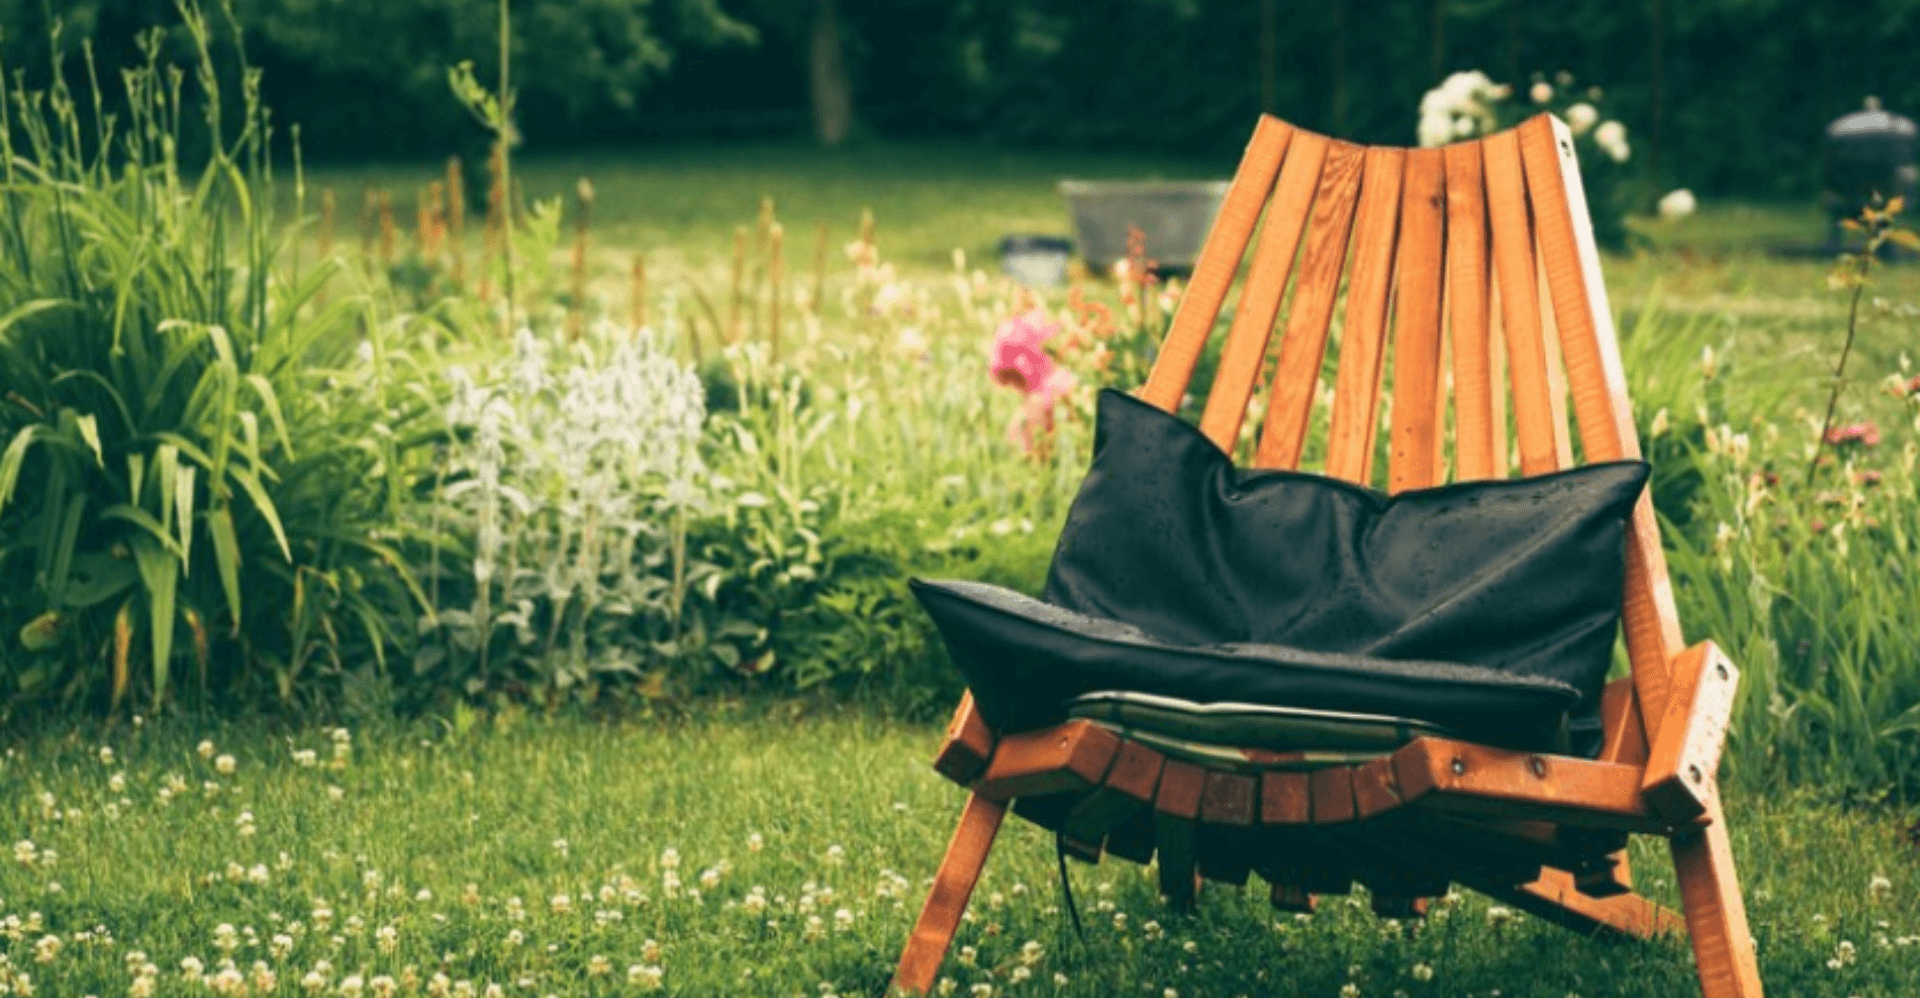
x=1488 y=607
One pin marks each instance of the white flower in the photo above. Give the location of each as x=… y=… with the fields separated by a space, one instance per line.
x=117 y=783
x=1541 y=92
x=305 y=758
x=1879 y=886
x=1611 y=137
x=191 y=968
x=755 y=843
x=106 y=755
x=1422 y=972
x=1435 y=130
x=1677 y=204
x=1581 y=117
x=205 y=749
x=1463 y=126
x=224 y=765
x=645 y=978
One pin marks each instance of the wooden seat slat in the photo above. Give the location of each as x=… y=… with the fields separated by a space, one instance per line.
x=1514 y=269
x=1468 y=314
x=1219 y=261
x=1247 y=338
x=1356 y=393
x=1419 y=406
x=1071 y=756
x=968 y=745
x=1332 y=791
x=1127 y=789
x=1317 y=288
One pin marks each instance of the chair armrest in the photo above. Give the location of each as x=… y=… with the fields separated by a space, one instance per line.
x=1685 y=756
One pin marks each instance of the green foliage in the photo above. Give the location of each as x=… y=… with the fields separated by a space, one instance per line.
x=169 y=467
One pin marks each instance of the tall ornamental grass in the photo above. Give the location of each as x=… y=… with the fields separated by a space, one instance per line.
x=182 y=483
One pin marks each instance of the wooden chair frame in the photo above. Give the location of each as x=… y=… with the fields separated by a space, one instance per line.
x=1481 y=253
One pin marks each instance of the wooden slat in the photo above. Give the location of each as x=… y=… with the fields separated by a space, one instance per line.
x=1071 y=756
x=1315 y=289
x=1356 y=394
x=1375 y=790
x=968 y=745
x=1682 y=769
x=952 y=887
x=1556 y=365
x=1332 y=792
x=1598 y=382
x=1716 y=914
x=1623 y=738
x=1438 y=772
x=1419 y=410
x=1556 y=898
x=1469 y=331
x=1285 y=799
x=1127 y=789
x=1219 y=261
x=1513 y=268
x=1176 y=808
x=1246 y=347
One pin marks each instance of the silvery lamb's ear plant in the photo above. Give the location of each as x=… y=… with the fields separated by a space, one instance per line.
x=166 y=468
x=572 y=474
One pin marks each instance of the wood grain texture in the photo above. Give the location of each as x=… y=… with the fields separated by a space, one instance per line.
x=1070 y=756
x=968 y=745
x=1217 y=264
x=1356 y=384
x=1555 y=897
x=1419 y=408
x=1285 y=799
x=1479 y=779
x=1246 y=348
x=1556 y=369
x=1316 y=288
x=1716 y=914
x=947 y=901
x=1468 y=315
x=1682 y=768
x=1331 y=789
x=1127 y=789
x=1514 y=270
x=1598 y=382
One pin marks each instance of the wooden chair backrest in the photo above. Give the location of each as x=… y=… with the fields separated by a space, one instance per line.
x=1483 y=248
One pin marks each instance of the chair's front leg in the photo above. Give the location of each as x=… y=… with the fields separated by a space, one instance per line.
x=947 y=901
x=1716 y=915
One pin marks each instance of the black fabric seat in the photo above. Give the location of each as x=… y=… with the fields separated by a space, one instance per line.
x=1489 y=608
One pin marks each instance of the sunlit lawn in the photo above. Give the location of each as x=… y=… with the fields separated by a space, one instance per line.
x=778 y=854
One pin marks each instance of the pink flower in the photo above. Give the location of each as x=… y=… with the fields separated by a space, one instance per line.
x=1866 y=434
x=1020 y=363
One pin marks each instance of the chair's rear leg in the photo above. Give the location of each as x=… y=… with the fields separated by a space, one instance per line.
x=1716 y=915
x=952 y=886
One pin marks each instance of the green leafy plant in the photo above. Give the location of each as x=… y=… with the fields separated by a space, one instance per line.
x=167 y=461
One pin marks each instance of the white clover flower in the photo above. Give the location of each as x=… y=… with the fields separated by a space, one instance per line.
x=191 y=968
x=1499 y=915
x=646 y=978
x=981 y=990
x=515 y=937
x=709 y=878
x=1677 y=204
x=669 y=858
x=25 y=852
x=560 y=904
x=205 y=749
x=1581 y=117
x=262 y=977
x=353 y=986
x=117 y=783
x=1879 y=887
x=106 y=755
x=225 y=765
x=755 y=843
x=306 y=758
x=842 y=920
x=599 y=966
x=1349 y=990
x=47 y=949
x=1541 y=92
x=1422 y=972
x=387 y=939
x=836 y=854
x=1611 y=137
x=650 y=952
x=228 y=981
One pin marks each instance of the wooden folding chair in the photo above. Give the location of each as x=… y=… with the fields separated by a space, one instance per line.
x=1485 y=245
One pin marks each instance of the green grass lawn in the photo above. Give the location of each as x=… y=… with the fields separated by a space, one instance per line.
x=778 y=855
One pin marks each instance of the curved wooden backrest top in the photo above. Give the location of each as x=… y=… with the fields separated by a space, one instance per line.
x=1480 y=250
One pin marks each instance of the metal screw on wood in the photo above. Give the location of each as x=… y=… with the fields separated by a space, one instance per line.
x=1459 y=766
x=1539 y=766
x=1693 y=773
x=1720 y=669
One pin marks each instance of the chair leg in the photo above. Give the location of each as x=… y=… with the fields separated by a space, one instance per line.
x=1716 y=915
x=952 y=887
x=1557 y=897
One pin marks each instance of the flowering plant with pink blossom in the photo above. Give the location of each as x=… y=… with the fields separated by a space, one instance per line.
x=1020 y=361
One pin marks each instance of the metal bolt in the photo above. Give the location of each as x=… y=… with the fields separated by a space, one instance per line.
x=1720 y=669
x=1539 y=766
x=1459 y=766
x=1693 y=773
